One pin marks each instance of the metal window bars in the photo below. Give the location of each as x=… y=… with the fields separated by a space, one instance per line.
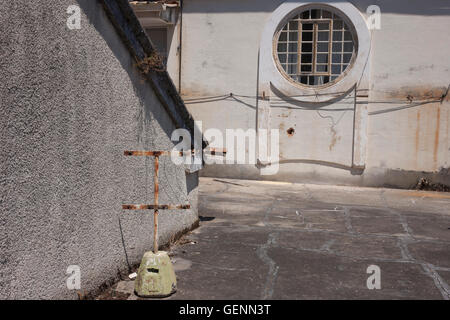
x=315 y=47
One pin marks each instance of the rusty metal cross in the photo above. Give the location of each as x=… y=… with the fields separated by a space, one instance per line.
x=155 y=206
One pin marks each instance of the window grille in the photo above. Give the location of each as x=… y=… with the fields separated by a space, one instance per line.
x=315 y=47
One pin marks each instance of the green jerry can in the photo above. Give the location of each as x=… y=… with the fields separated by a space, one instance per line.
x=155 y=277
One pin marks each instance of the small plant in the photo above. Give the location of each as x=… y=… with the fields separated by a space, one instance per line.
x=424 y=184
x=154 y=62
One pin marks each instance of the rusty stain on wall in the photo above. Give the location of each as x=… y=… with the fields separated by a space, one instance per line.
x=417 y=131
x=290 y=132
x=424 y=131
x=419 y=93
x=425 y=194
x=436 y=136
x=417 y=136
x=334 y=138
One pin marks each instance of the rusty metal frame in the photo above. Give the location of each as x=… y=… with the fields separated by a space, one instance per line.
x=157 y=153
x=216 y=151
x=156 y=206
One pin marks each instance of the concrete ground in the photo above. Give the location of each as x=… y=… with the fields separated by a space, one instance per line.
x=267 y=240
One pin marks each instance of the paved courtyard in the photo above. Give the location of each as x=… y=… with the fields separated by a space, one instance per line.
x=267 y=240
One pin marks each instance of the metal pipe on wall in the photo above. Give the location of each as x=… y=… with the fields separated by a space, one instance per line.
x=180 y=45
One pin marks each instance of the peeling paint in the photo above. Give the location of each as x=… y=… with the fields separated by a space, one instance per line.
x=418 y=93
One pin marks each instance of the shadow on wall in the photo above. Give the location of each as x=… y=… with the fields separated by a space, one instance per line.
x=94 y=10
x=340 y=97
x=141 y=86
x=149 y=110
x=353 y=170
x=413 y=7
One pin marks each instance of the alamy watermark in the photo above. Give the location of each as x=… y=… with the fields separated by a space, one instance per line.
x=242 y=147
x=374 y=19
x=374 y=280
x=73 y=282
x=74 y=19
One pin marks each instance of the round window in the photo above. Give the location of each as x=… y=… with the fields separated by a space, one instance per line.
x=315 y=47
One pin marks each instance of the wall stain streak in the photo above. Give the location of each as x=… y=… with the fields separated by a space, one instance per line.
x=417 y=136
x=334 y=138
x=436 y=136
x=417 y=93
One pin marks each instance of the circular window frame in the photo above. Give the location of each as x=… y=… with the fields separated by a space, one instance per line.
x=298 y=11
x=271 y=79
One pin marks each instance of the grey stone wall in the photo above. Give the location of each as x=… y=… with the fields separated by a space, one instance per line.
x=71 y=102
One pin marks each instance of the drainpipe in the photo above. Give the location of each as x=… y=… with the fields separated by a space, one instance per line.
x=180 y=47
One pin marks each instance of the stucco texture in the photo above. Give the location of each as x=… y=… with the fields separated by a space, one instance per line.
x=71 y=102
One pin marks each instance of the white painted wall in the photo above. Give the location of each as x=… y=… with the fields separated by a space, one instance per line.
x=410 y=55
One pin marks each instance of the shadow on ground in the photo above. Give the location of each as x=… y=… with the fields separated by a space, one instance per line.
x=263 y=240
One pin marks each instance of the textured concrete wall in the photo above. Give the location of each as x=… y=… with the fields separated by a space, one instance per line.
x=71 y=102
x=409 y=57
